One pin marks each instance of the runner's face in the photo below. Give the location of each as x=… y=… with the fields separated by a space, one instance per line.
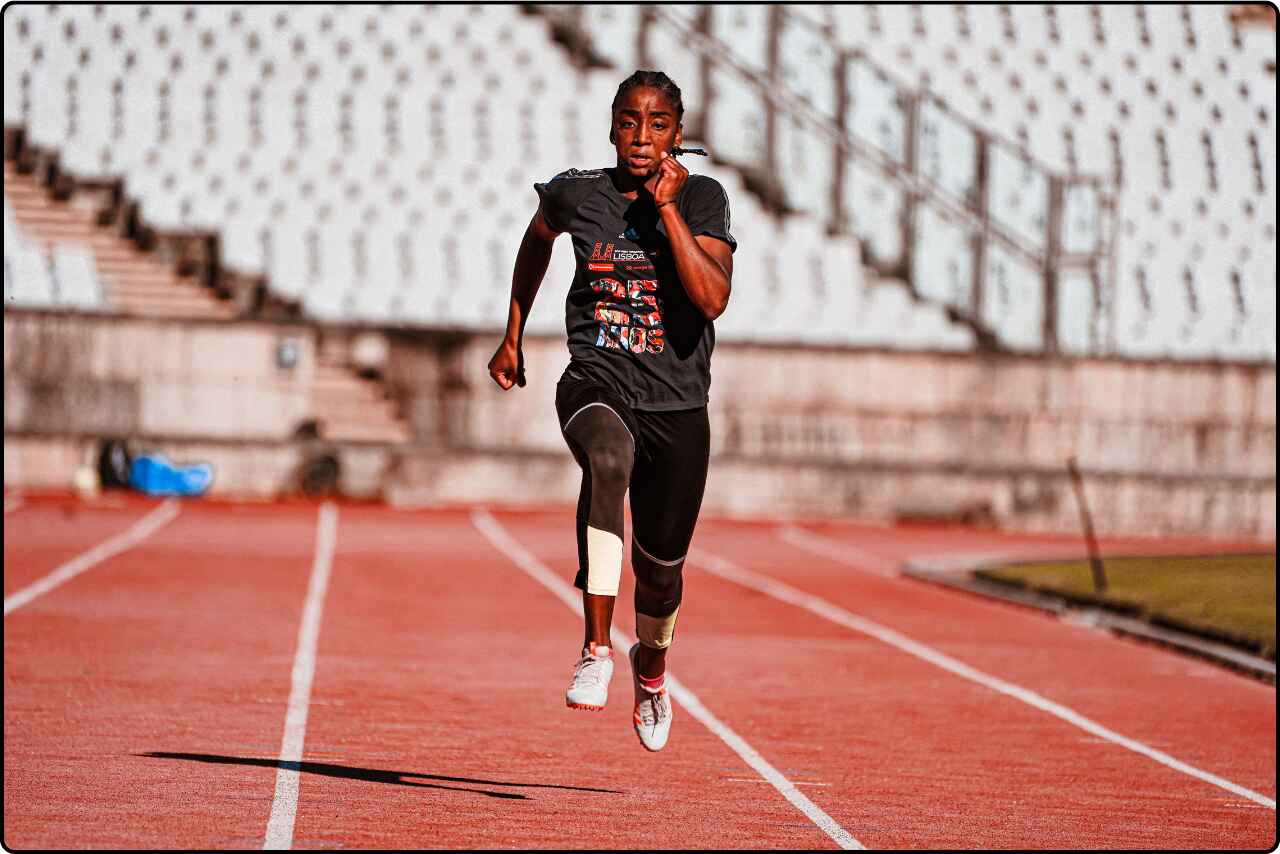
x=644 y=126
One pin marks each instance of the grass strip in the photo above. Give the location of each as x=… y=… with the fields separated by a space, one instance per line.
x=1228 y=598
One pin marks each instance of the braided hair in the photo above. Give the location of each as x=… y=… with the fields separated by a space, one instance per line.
x=653 y=80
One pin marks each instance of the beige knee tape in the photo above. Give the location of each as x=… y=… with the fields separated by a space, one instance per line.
x=656 y=632
x=604 y=562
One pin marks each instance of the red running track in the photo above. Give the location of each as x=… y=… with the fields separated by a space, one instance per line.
x=145 y=699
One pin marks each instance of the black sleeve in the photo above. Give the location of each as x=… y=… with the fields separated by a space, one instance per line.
x=558 y=200
x=705 y=207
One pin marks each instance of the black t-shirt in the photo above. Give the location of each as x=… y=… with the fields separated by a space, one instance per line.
x=631 y=325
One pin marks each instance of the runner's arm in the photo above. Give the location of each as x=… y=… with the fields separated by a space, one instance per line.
x=507 y=365
x=704 y=263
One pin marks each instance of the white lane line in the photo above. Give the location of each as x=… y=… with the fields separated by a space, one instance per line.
x=795 y=782
x=139 y=531
x=284 y=808
x=785 y=592
x=493 y=530
x=848 y=555
x=11 y=503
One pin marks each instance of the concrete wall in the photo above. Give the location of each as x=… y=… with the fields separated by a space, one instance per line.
x=934 y=410
x=86 y=374
x=1163 y=447
x=874 y=434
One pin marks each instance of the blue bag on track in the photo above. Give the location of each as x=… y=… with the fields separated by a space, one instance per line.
x=155 y=475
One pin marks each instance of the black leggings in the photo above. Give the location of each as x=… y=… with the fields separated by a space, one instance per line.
x=662 y=457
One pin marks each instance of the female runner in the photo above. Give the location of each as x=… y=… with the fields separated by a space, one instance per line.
x=653 y=269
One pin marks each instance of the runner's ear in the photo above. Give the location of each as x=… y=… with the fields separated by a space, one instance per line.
x=613 y=137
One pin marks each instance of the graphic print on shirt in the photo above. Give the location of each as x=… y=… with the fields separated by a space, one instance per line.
x=601 y=259
x=630 y=315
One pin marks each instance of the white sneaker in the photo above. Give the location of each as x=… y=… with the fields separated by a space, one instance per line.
x=589 y=688
x=652 y=715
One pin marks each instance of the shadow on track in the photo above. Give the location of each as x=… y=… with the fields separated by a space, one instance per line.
x=374 y=775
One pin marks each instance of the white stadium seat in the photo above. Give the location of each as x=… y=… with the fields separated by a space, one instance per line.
x=76 y=279
x=272 y=124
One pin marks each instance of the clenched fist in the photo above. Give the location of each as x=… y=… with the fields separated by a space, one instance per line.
x=665 y=183
x=507 y=366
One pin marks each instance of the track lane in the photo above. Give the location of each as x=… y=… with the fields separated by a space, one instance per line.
x=438 y=716
x=1212 y=718
x=180 y=648
x=680 y=692
x=48 y=531
x=122 y=542
x=891 y=749
x=1166 y=698
x=915 y=756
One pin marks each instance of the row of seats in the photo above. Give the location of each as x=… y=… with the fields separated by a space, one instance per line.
x=1181 y=151
x=64 y=278
x=1159 y=119
x=802 y=287
x=377 y=164
x=332 y=147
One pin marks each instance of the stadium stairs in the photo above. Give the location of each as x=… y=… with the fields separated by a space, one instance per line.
x=346 y=407
x=136 y=282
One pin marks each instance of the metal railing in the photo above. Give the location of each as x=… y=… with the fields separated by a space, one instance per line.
x=1074 y=233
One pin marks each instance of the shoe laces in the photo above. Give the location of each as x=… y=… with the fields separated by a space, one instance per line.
x=590 y=670
x=653 y=708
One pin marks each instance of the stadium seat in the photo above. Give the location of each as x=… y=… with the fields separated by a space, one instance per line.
x=75 y=278
x=32 y=283
x=251 y=120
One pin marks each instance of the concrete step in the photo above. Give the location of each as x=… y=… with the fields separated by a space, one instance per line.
x=354 y=411
x=343 y=377
x=36 y=201
x=359 y=432
x=153 y=289
x=56 y=233
x=133 y=271
x=334 y=425
x=107 y=235
x=80 y=230
x=38 y=207
x=169 y=307
x=122 y=258
x=136 y=282
x=104 y=246
x=143 y=276
x=151 y=311
x=21 y=191
x=337 y=394
x=43 y=210
x=353 y=408
x=173 y=295
x=170 y=285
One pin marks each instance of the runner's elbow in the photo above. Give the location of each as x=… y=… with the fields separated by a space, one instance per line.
x=715 y=305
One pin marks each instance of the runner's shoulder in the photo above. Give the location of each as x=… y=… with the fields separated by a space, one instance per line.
x=580 y=175
x=699 y=183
